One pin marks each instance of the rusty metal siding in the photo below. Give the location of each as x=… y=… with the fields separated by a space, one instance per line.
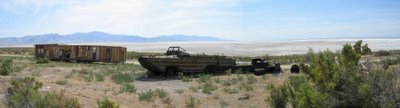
x=86 y=53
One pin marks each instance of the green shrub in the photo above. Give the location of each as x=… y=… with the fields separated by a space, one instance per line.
x=246 y=86
x=99 y=77
x=106 y=103
x=179 y=91
x=230 y=90
x=161 y=93
x=194 y=89
x=57 y=100
x=279 y=97
x=204 y=77
x=167 y=100
x=192 y=102
x=120 y=78
x=6 y=66
x=127 y=87
x=251 y=79
x=23 y=92
x=303 y=94
x=147 y=96
x=230 y=82
x=62 y=82
x=184 y=78
x=217 y=79
x=42 y=60
x=208 y=88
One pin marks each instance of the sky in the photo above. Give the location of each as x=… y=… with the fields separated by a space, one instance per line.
x=251 y=20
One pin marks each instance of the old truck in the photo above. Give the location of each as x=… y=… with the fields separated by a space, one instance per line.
x=176 y=60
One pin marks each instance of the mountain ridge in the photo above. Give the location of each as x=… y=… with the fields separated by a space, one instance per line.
x=96 y=36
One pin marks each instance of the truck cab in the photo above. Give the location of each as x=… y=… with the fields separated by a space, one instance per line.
x=176 y=50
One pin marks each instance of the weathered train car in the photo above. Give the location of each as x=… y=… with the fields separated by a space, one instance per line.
x=81 y=53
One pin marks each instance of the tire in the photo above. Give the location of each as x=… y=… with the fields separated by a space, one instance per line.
x=170 y=71
x=211 y=69
x=295 y=69
x=278 y=68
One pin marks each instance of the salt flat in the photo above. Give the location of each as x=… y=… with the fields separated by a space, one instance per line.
x=236 y=48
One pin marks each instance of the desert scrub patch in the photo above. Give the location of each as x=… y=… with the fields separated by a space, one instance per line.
x=204 y=78
x=23 y=92
x=106 y=103
x=230 y=82
x=192 y=102
x=246 y=86
x=167 y=100
x=251 y=79
x=230 y=90
x=42 y=60
x=265 y=77
x=62 y=82
x=194 y=89
x=57 y=100
x=208 y=88
x=147 y=95
x=161 y=93
x=217 y=79
x=100 y=77
x=6 y=66
x=127 y=87
x=184 y=78
x=223 y=103
x=122 y=77
x=179 y=91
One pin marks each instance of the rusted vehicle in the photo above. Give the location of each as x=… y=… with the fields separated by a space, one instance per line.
x=81 y=53
x=176 y=60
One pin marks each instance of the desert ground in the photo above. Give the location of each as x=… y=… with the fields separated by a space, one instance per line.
x=91 y=82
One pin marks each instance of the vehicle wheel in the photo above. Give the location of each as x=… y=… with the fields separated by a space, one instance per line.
x=211 y=69
x=295 y=69
x=170 y=72
x=278 y=67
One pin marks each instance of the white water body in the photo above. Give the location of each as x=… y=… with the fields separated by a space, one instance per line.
x=235 y=48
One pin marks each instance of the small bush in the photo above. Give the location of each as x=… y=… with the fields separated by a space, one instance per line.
x=230 y=90
x=127 y=87
x=57 y=100
x=42 y=60
x=194 y=89
x=204 y=77
x=167 y=100
x=230 y=82
x=89 y=77
x=179 y=91
x=161 y=93
x=99 y=77
x=23 y=92
x=120 y=78
x=62 y=82
x=106 y=103
x=246 y=86
x=251 y=79
x=208 y=88
x=217 y=79
x=279 y=97
x=192 y=102
x=223 y=104
x=147 y=96
x=184 y=78
x=6 y=66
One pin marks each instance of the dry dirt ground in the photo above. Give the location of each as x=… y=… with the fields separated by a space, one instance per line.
x=87 y=92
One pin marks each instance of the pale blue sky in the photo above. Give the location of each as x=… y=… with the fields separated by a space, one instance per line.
x=228 y=19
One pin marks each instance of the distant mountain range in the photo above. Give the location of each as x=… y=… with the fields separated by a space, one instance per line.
x=99 y=37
